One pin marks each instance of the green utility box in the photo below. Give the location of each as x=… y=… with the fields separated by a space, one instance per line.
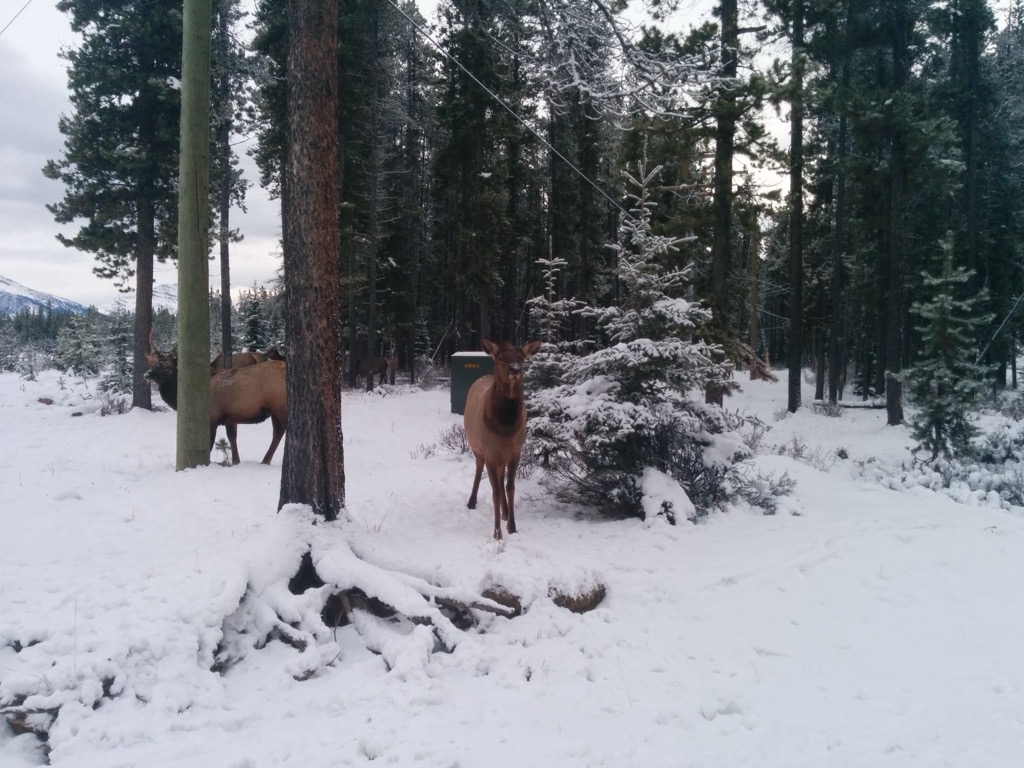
x=467 y=367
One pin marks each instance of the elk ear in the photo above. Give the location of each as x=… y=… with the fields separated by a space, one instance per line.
x=151 y=359
x=531 y=347
x=489 y=347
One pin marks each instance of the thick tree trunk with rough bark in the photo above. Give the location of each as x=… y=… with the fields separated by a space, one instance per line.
x=313 y=469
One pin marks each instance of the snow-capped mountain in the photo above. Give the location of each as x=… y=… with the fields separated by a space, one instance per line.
x=14 y=297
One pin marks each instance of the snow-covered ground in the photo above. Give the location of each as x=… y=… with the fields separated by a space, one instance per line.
x=860 y=626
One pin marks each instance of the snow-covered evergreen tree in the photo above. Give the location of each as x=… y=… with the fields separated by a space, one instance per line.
x=118 y=376
x=254 y=325
x=633 y=433
x=946 y=383
x=80 y=346
x=551 y=317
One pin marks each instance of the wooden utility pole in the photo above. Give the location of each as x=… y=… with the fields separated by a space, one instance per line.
x=193 y=215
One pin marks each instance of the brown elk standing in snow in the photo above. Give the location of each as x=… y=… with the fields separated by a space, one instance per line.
x=495 y=423
x=238 y=360
x=246 y=395
x=381 y=366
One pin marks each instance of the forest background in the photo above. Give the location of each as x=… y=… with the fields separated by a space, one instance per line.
x=468 y=156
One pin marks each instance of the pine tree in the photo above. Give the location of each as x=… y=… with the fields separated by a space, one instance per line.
x=254 y=332
x=946 y=383
x=633 y=432
x=118 y=378
x=78 y=346
x=119 y=164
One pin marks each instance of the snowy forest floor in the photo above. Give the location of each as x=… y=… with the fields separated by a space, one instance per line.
x=865 y=624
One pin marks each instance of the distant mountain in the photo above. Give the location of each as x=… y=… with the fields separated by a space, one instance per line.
x=15 y=297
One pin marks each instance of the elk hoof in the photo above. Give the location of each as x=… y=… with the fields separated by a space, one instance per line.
x=471 y=504
x=511 y=527
x=497 y=534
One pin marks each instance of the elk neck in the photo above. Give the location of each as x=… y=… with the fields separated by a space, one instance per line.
x=169 y=392
x=506 y=401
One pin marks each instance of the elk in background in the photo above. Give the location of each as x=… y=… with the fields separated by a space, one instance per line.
x=384 y=367
x=242 y=359
x=238 y=360
x=495 y=423
x=249 y=394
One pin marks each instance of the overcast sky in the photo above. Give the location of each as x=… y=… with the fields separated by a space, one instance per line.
x=33 y=89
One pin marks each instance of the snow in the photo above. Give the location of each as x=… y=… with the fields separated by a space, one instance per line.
x=861 y=625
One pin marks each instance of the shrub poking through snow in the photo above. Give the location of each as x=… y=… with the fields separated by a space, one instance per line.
x=627 y=430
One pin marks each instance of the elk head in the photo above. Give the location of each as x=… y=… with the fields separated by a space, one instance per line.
x=162 y=369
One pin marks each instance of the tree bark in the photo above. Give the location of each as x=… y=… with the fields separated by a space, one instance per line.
x=794 y=352
x=897 y=233
x=313 y=468
x=374 y=234
x=836 y=356
x=223 y=144
x=725 y=132
x=142 y=394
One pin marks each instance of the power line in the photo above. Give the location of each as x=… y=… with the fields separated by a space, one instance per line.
x=508 y=109
x=8 y=24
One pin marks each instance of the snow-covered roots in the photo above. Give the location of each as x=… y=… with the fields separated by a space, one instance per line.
x=302 y=591
x=295 y=580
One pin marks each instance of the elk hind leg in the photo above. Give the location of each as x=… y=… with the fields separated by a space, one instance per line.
x=276 y=440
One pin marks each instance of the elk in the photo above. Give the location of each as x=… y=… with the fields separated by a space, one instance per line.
x=495 y=423
x=238 y=360
x=273 y=353
x=247 y=395
x=380 y=366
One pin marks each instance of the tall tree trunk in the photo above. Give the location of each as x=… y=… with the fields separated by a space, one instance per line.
x=794 y=351
x=725 y=132
x=313 y=470
x=836 y=353
x=374 y=234
x=897 y=230
x=752 y=271
x=223 y=144
x=142 y=395
x=193 y=217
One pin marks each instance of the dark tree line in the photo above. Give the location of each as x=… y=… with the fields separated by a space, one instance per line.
x=463 y=165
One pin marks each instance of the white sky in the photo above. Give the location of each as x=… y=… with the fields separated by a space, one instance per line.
x=34 y=94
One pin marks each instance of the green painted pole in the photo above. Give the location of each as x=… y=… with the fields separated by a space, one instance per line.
x=193 y=249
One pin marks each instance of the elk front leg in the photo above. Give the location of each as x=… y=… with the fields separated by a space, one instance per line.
x=476 y=481
x=495 y=473
x=510 y=492
x=232 y=430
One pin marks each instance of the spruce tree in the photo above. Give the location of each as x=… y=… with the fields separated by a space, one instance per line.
x=947 y=382
x=118 y=376
x=78 y=346
x=629 y=420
